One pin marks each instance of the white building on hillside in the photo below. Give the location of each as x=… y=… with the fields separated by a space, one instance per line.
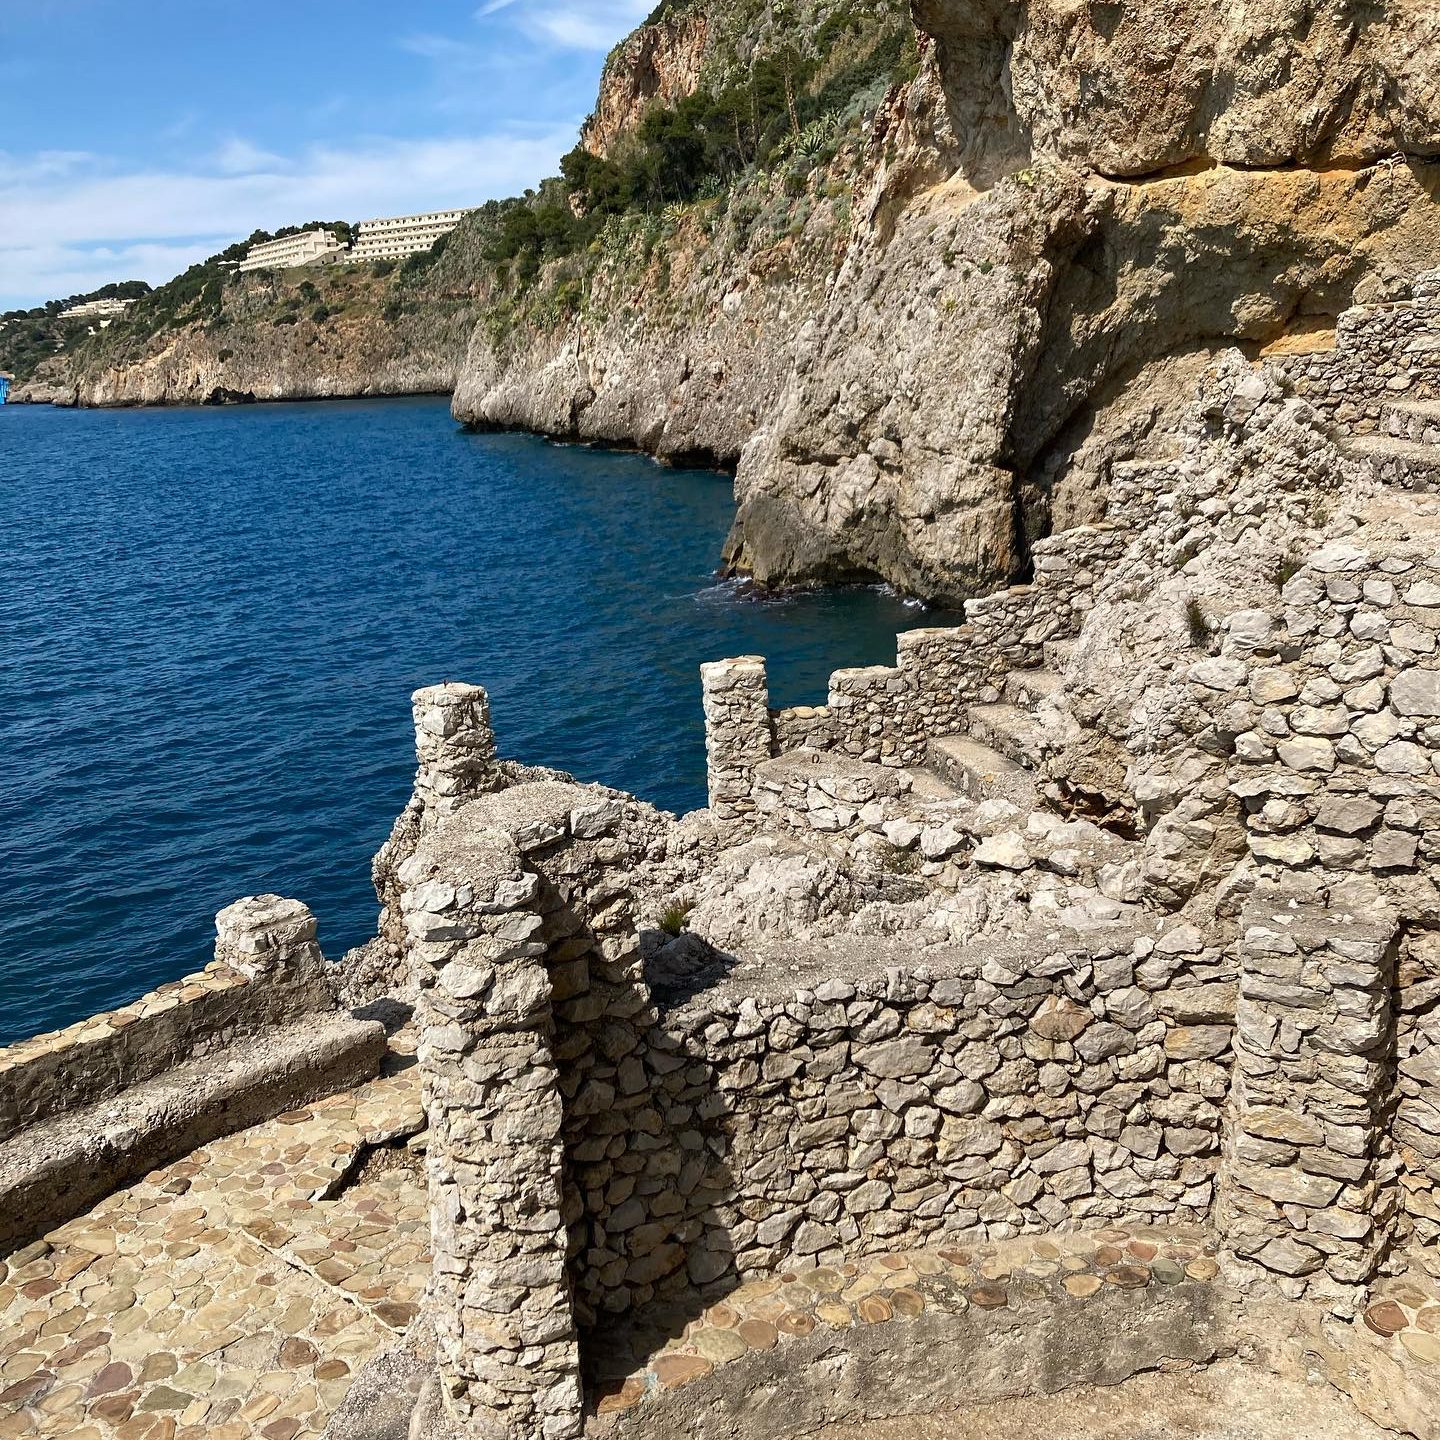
x=103 y=310
x=309 y=247
x=402 y=235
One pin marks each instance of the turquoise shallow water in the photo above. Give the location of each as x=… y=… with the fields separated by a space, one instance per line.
x=211 y=622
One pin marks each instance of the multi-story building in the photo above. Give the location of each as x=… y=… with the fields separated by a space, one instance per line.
x=309 y=247
x=401 y=235
x=103 y=310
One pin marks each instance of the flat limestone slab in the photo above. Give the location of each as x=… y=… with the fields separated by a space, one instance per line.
x=917 y=1331
x=979 y=772
x=57 y=1168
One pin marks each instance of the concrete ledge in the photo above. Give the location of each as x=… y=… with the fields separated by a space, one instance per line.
x=56 y=1169
x=46 y=1075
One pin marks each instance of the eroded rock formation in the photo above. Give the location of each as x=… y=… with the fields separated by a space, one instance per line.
x=1063 y=197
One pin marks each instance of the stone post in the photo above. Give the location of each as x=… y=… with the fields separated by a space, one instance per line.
x=508 y=1349
x=737 y=731
x=1306 y=1191
x=265 y=936
x=455 y=747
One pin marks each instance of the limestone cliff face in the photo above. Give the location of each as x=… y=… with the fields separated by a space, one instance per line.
x=1128 y=89
x=307 y=334
x=978 y=321
x=1067 y=195
x=659 y=63
x=301 y=362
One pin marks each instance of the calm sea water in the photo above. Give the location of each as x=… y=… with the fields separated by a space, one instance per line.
x=211 y=622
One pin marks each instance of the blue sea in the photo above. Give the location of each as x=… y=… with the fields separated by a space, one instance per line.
x=211 y=622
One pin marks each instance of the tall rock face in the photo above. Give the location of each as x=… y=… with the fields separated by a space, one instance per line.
x=660 y=63
x=916 y=383
x=1127 y=89
x=1122 y=183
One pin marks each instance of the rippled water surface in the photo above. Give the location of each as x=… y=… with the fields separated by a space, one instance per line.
x=211 y=622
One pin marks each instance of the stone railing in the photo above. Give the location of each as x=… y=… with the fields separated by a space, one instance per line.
x=268 y=969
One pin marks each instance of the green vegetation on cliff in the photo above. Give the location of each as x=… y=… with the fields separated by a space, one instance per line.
x=30 y=337
x=784 y=107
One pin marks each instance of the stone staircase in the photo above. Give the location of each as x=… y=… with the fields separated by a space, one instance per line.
x=1003 y=746
x=1380 y=386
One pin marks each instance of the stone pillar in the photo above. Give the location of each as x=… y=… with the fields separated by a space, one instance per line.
x=737 y=732
x=508 y=1349
x=265 y=936
x=1306 y=1189
x=455 y=746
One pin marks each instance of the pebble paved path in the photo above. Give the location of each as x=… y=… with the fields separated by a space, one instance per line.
x=223 y=1297
x=1407 y=1310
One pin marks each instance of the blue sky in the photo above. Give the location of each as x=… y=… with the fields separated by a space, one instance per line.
x=138 y=136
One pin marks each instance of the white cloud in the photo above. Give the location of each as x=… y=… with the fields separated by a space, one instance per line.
x=76 y=222
x=591 y=25
x=240 y=157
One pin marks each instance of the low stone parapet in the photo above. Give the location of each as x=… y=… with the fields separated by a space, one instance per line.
x=86 y=1109
x=267 y=971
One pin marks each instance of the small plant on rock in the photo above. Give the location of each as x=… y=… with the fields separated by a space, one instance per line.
x=675 y=917
x=1198 y=625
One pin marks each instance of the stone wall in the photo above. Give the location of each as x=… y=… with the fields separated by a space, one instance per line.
x=267 y=970
x=605 y=1138
x=1336 y=764
x=889 y=714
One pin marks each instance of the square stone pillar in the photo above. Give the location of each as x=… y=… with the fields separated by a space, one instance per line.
x=455 y=747
x=508 y=1348
x=266 y=936
x=737 y=732
x=1307 y=1190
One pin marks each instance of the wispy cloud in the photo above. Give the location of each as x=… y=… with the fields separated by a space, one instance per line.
x=591 y=25
x=74 y=222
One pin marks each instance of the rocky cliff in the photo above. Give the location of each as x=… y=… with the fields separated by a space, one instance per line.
x=311 y=334
x=1063 y=197
x=922 y=277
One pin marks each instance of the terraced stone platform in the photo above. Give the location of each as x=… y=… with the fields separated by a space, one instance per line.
x=223 y=1296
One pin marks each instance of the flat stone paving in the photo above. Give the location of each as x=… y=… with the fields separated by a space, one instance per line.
x=636 y=1366
x=1406 y=1310
x=222 y=1296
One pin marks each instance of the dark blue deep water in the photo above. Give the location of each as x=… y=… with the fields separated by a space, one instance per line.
x=211 y=622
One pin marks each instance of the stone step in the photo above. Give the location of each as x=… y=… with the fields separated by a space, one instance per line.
x=1415 y=420
x=58 y=1168
x=979 y=773
x=1011 y=731
x=1401 y=463
x=1027 y=688
x=1057 y=654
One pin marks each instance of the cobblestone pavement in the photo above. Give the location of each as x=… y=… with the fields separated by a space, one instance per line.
x=759 y=1315
x=1407 y=1310
x=224 y=1296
